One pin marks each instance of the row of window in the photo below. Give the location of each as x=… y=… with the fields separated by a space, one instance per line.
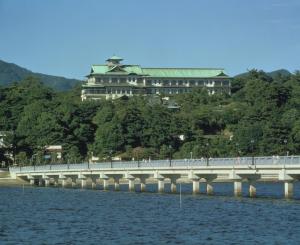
x=164 y=82
x=139 y=91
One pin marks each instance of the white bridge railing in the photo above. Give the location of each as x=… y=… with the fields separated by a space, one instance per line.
x=268 y=160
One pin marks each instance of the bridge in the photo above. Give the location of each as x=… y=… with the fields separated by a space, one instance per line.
x=285 y=169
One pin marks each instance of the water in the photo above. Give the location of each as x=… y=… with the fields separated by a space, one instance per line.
x=75 y=216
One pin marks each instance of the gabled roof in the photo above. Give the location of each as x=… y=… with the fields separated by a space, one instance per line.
x=158 y=72
x=184 y=72
x=127 y=69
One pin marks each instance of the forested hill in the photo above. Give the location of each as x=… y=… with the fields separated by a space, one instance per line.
x=260 y=117
x=10 y=73
x=273 y=74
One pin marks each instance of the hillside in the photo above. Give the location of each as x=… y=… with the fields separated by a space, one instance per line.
x=10 y=72
x=272 y=74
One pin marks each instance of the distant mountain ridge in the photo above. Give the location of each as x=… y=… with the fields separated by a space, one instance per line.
x=273 y=74
x=10 y=73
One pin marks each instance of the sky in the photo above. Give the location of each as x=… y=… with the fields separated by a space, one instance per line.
x=65 y=37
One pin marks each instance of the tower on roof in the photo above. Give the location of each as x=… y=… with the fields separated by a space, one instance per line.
x=114 y=60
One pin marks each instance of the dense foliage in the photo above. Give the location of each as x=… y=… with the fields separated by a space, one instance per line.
x=261 y=117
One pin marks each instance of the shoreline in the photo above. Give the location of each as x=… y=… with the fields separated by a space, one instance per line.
x=9 y=182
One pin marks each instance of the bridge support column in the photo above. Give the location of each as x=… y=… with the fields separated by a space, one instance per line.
x=196 y=186
x=63 y=182
x=32 y=182
x=105 y=184
x=73 y=183
x=173 y=185
x=252 y=189
x=117 y=184
x=55 y=182
x=47 y=182
x=209 y=187
x=131 y=185
x=83 y=183
x=41 y=182
x=143 y=184
x=161 y=185
x=288 y=189
x=237 y=188
x=94 y=184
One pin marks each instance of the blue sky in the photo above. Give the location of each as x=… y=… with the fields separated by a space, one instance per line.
x=64 y=37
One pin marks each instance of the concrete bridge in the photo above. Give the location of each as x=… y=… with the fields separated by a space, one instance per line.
x=285 y=169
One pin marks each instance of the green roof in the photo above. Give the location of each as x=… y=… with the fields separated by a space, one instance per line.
x=184 y=72
x=159 y=72
x=99 y=69
x=104 y=69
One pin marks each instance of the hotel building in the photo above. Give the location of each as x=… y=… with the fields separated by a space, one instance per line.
x=114 y=80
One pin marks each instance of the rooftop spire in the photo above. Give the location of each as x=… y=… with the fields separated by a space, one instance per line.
x=114 y=60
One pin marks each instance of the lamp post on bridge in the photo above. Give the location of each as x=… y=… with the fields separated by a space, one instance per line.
x=286 y=149
x=207 y=153
x=110 y=156
x=170 y=156
x=252 y=150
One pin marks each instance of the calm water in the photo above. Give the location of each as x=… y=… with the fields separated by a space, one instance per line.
x=75 y=216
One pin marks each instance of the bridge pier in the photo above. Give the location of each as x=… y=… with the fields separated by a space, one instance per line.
x=55 y=181
x=196 y=186
x=105 y=184
x=209 y=180
x=32 y=181
x=195 y=180
x=131 y=186
x=41 y=182
x=173 y=179
x=131 y=180
x=47 y=182
x=73 y=182
x=252 y=188
x=237 y=185
x=94 y=183
x=252 y=178
x=288 y=181
x=116 y=178
x=83 y=183
x=209 y=187
x=173 y=185
x=142 y=178
x=161 y=185
x=63 y=182
x=288 y=189
x=143 y=184
x=117 y=184
x=105 y=179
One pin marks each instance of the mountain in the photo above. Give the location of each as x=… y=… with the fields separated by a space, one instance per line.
x=272 y=74
x=10 y=73
x=281 y=72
